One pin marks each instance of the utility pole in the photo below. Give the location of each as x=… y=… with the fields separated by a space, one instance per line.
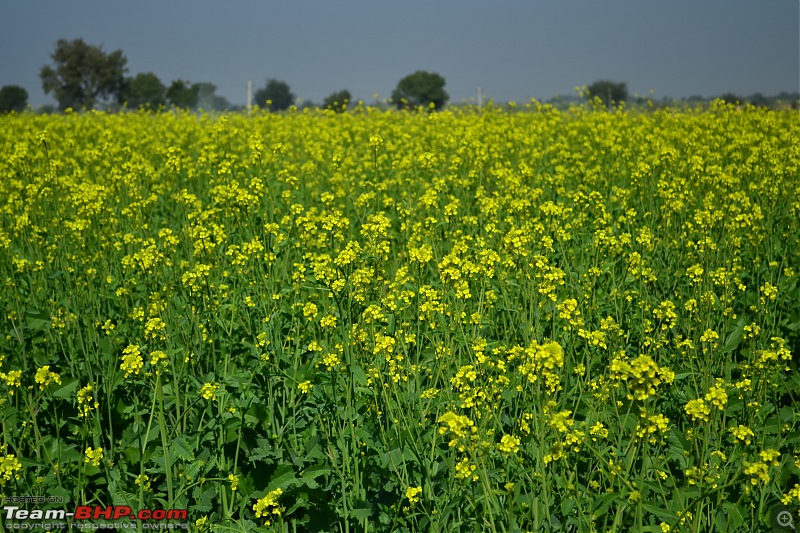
x=479 y=96
x=249 y=96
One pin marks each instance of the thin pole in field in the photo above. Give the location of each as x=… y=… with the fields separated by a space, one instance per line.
x=479 y=96
x=249 y=95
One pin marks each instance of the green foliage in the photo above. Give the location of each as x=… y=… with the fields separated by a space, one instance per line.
x=337 y=101
x=13 y=98
x=145 y=90
x=83 y=76
x=420 y=89
x=275 y=96
x=183 y=95
x=609 y=92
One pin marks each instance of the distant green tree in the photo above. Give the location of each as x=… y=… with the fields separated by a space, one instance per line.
x=145 y=90
x=182 y=94
x=420 y=89
x=337 y=101
x=220 y=103
x=609 y=92
x=13 y=98
x=277 y=93
x=759 y=100
x=83 y=75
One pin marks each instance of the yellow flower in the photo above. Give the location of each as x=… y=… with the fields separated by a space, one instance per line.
x=598 y=430
x=709 y=336
x=155 y=328
x=742 y=433
x=268 y=506
x=770 y=457
x=158 y=360
x=234 y=481
x=509 y=444
x=716 y=396
x=305 y=387
x=44 y=377
x=12 y=380
x=10 y=467
x=791 y=497
x=466 y=470
x=86 y=402
x=458 y=425
x=132 y=362
x=94 y=456
x=412 y=493
x=310 y=311
x=143 y=480
x=328 y=322
x=209 y=391
x=698 y=409
x=757 y=472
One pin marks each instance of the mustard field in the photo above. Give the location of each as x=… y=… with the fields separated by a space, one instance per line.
x=475 y=320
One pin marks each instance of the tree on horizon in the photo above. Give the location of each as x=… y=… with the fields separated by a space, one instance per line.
x=83 y=75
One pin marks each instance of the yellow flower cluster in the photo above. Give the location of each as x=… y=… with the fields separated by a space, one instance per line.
x=509 y=444
x=759 y=470
x=641 y=375
x=45 y=377
x=268 y=506
x=413 y=494
x=86 y=401
x=10 y=468
x=460 y=426
x=93 y=456
x=742 y=433
x=209 y=391
x=132 y=362
x=700 y=408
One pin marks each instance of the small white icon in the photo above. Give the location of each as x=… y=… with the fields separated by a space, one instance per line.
x=784 y=519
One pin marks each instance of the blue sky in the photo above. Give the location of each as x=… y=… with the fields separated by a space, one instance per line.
x=514 y=50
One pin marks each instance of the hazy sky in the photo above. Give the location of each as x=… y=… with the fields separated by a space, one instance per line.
x=515 y=50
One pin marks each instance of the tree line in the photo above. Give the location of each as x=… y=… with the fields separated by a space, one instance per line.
x=83 y=76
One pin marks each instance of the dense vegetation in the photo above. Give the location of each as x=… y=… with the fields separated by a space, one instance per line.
x=393 y=321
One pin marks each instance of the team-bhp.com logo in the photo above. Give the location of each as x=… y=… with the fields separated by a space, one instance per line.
x=86 y=517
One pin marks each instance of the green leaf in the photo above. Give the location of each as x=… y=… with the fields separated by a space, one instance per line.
x=359 y=375
x=732 y=515
x=263 y=451
x=179 y=449
x=311 y=473
x=119 y=497
x=282 y=478
x=662 y=514
x=361 y=513
x=193 y=469
x=205 y=501
x=602 y=503
x=67 y=388
x=734 y=339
